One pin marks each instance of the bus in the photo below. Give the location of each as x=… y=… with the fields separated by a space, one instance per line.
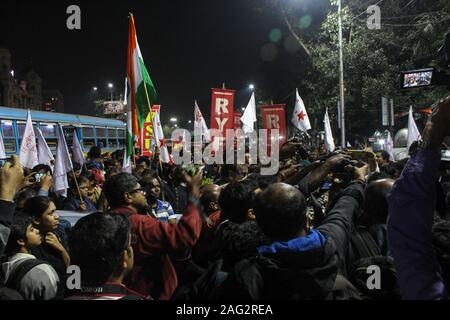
x=109 y=134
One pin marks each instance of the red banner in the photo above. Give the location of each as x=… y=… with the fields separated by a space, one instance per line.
x=273 y=117
x=146 y=136
x=222 y=109
x=237 y=120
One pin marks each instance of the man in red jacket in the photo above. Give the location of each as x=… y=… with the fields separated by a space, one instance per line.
x=153 y=273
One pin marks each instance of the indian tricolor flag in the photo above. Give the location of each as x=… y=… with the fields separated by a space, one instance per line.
x=141 y=93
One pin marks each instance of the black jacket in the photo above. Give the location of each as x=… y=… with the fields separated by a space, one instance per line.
x=6 y=217
x=309 y=275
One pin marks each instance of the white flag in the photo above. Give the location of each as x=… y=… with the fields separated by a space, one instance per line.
x=63 y=164
x=128 y=151
x=200 y=124
x=248 y=119
x=389 y=146
x=2 y=148
x=161 y=142
x=28 y=151
x=413 y=132
x=329 y=142
x=77 y=151
x=300 y=117
x=45 y=155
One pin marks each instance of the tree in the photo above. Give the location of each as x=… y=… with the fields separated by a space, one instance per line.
x=409 y=37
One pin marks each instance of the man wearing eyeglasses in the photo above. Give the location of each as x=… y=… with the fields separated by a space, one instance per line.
x=153 y=240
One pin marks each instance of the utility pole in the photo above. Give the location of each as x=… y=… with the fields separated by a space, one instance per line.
x=341 y=76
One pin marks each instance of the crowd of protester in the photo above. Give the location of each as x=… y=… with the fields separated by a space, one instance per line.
x=225 y=232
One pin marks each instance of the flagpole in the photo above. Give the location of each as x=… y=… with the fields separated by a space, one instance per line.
x=78 y=188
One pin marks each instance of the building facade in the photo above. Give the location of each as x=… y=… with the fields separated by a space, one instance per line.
x=24 y=93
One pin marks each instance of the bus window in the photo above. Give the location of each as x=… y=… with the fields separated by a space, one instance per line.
x=101 y=137
x=21 y=128
x=8 y=136
x=88 y=137
x=122 y=138
x=112 y=138
x=48 y=130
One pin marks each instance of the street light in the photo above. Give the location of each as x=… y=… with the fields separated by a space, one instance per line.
x=111 y=86
x=95 y=88
x=190 y=121
x=173 y=119
x=251 y=87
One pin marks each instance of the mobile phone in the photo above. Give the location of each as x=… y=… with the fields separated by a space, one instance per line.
x=326 y=185
x=38 y=176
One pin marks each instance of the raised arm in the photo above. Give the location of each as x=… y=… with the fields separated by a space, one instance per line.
x=411 y=209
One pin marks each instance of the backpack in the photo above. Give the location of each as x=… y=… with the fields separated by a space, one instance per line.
x=9 y=290
x=365 y=253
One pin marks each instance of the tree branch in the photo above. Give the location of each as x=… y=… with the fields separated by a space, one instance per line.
x=294 y=34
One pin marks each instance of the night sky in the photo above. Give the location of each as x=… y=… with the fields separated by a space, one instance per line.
x=188 y=47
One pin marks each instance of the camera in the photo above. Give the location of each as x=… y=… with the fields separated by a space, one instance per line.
x=439 y=74
x=38 y=176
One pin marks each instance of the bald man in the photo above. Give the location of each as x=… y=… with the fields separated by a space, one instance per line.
x=299 y=262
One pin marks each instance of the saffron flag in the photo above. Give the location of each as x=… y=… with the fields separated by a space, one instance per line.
x=142 y=93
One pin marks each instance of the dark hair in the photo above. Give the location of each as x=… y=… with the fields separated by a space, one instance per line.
x=112 y=171
x=239 y=241
x=96 y=244
x=390 y=169
x=18 y=230
x=145 y=180
x=142 y=160
x=76 y=166
x=385 y=155
x=236 y=199
x=116 y=186
x=25 y=194
x=377 y=176
x=95 y=152
x=80 y=180
x=36 y=206
x=376 y=204
x=229 y=170
x=41 y=167
x=266 y=180
x=88 y=175
x=280 y=211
